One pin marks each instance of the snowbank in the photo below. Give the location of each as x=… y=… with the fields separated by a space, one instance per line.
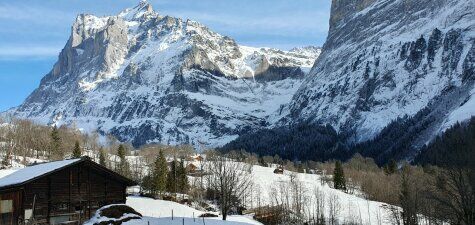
x=160 y=212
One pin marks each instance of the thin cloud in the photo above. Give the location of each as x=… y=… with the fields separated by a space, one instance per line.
x=283 y=23
x=33 y=14
x=12 y=52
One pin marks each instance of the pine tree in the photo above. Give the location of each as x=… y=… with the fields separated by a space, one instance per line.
x=391 y=167
x=6 y=162
x=182 y=179
x=77 y=150
x=102 y=157
x=121 y=152
x=339 y=180
x=171 y=179
x=123 y=168
x=147 y=184
x=160 y=174
x=56 y=152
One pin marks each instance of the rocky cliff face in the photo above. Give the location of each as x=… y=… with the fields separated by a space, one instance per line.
x=385 y=59
x=145 y=78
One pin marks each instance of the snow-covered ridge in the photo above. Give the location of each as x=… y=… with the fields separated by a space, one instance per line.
x=388 y=59
x=223 y=53
x=151 y=78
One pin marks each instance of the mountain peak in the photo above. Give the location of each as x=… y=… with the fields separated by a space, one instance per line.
x=307 y=50
x=144 y=4
x=142 y=10
x=148 y=78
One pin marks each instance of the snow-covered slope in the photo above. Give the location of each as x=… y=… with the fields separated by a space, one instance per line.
x=385 y=59
x=145 y=77
x=268 y=189
x=161 y=212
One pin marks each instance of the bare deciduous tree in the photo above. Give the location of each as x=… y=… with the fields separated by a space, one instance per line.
x=319 y=206
x=334 y=208
x=455 y=194
x=229 y=179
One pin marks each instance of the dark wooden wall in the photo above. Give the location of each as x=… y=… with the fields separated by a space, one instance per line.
x=77 y=192
x=11 y=218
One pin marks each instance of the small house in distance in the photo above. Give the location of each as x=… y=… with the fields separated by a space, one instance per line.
x=279 y=170
x=194 y=170
x=199 y=158
x=60 y=192
x=191 y=168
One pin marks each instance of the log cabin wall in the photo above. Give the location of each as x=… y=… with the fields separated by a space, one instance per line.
x=71 y=194
x=10 y=206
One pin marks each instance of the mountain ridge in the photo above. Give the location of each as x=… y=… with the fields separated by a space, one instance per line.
x=150 y=78
x=392 y=76
x=380 y=48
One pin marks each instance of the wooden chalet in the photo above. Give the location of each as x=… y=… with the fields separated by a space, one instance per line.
x=199 y=158
x=191 y=168
x=279 y=170
x=60 y=192
x=194 y=170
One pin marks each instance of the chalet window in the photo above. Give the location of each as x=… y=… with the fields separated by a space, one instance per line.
x=6 y=206
x=28 y=214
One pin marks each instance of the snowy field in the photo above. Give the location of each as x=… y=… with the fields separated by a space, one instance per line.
x=181 y=221
x=268 y=189
x=159 y=212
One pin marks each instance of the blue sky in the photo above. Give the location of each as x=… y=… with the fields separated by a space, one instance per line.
x=33 y=32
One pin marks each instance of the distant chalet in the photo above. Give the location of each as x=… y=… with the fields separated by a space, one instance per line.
x=61 y=192
x=279 y=170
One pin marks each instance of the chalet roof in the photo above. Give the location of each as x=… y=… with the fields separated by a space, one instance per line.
x=191 y=165
x=31 y=173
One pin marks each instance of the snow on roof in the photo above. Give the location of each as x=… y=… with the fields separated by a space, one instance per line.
x=32 y=172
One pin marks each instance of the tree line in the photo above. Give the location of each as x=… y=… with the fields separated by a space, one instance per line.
x=166 y=177
x=320 y=142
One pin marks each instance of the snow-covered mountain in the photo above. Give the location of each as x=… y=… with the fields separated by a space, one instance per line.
x=145 y=77
x=385 y=59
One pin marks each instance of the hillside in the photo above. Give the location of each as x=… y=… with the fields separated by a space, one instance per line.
x=268 y=188
x=391 y=77
x=382 y=60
